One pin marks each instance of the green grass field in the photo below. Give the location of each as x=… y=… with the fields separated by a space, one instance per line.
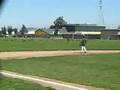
x=15 y=84
x=93 y=70
x=17 y=44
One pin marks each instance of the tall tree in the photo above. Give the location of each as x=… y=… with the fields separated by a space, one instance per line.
x=4 y=31
x=15 y=31
x=23 y=30
x=10 y=30
x=58 y=23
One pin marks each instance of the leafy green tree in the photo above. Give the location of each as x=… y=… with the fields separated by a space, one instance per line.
x=4 y=31
x=10 y=30
x=0 y=33
x=23 y=30
x=15 y=31
x=58 y=23
x=52 y=27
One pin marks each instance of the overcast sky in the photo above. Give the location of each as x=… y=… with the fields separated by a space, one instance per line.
x=42 y=13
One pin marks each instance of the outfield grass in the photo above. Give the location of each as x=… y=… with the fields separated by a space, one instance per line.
x=16 y=44
x=36 y=44
x=94 y=70
x=15 y=84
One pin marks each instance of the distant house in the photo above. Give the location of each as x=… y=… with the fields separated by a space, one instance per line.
x=31 y=31
x=41 y=33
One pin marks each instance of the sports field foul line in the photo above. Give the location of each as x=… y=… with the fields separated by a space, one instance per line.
x=44 y=82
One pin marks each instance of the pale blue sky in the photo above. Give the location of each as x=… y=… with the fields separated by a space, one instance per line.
x=42 y=13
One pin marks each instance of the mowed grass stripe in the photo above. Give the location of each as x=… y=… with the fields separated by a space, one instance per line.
x=92 y=70
x=17 y=44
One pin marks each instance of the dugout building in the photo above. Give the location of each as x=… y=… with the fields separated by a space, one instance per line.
x=91 y=31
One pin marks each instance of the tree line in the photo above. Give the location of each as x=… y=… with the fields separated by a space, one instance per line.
x=10 y=31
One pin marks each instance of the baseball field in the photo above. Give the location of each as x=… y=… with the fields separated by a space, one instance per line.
x=96 y=70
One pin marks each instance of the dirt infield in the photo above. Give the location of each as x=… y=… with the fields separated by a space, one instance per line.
x=30 y=54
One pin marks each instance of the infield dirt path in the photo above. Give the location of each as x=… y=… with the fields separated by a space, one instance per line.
x=30 y=54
